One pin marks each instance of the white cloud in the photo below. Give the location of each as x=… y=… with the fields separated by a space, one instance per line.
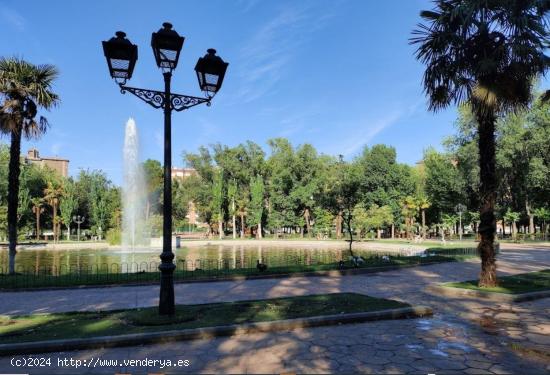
x=247 y=5
x=299 y=121
x=369 y=129
x=366 y=133
x=265 y=56
x=13 y=18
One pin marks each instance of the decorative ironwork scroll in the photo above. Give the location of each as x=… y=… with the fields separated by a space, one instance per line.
x=152 y=97
x=156 y=98
x=181 y=102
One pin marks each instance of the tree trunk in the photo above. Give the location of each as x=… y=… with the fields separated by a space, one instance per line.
x=308 y=226
x=220 y=228
x=259 y=231
x=392 y=231
x=54 y=225
x=487 y=227
x=38 y=223
x=531 y=219
x=423 y=224
x=348 y=222
x=68 y=232
x=339 y=225
x=234 y=219
x=13 y=196
x=514 y=229
x=378 y=233
x=242 y=225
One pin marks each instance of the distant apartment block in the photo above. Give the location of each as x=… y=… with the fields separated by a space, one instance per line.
x=57 y=164
x=183 y=172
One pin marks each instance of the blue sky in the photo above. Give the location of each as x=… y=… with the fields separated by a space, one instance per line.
x=337 y=74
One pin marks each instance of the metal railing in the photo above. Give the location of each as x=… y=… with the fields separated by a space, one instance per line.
x=203 y=269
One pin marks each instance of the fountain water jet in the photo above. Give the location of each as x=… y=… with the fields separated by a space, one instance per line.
x=134 y=193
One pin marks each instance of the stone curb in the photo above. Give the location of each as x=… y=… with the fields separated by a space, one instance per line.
x=491 y=296
x=330 y=273
x=209 y=332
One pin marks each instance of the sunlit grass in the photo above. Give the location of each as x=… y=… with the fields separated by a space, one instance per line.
x=89 y=324
x=522 y=283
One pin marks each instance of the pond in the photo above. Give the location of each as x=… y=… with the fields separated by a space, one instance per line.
x=186 y=258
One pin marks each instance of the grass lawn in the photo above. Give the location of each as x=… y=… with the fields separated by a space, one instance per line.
x=89 y=324
x=30 y=280
x=522 y=283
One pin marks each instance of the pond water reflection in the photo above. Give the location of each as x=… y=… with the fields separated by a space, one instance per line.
x=189 y=258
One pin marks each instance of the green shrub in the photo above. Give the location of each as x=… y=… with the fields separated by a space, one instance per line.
x=113 y=236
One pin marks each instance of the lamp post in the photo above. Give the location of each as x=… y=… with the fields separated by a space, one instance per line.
x=460 y=209
x=166 y=43
x=78 y=220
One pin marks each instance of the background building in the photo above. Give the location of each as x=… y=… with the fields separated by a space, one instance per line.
x=183 y=172
x=56 y=164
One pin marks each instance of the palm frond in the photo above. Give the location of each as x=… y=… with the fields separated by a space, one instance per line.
x=489 y=51
x=24 y=88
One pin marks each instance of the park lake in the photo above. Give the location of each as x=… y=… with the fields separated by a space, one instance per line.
x=114 y=260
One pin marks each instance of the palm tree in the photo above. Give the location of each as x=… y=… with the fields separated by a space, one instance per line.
x=23 y=88
x=487 y=54
x=543 y=214
x=423 y=204
x=37 y=209
x=409 y=211
x=52 y=194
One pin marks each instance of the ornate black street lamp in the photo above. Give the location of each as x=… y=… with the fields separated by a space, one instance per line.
x=121 y=57
x=78 y=220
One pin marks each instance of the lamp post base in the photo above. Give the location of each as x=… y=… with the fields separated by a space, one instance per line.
x=166 y=300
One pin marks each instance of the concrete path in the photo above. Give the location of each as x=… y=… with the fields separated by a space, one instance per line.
x=464 y=336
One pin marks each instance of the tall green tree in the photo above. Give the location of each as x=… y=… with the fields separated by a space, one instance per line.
x=68 y=205
x=257 y=203
x=543 y=215
x=444 y=185
x=180 y=202
x=52 y=195
x=232 y=190
x=24 y=88
x=154 y=179
x=409 y=210
x=218 y=201
x=341 y=192
x=384 y=181
x=423 y=203
x=37 y=209
x=306 y=174
x=98 y=201
x=24 y=201
x=486 y=53
x=280 y=184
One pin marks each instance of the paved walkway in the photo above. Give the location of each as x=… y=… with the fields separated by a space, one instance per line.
x=464 y=336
